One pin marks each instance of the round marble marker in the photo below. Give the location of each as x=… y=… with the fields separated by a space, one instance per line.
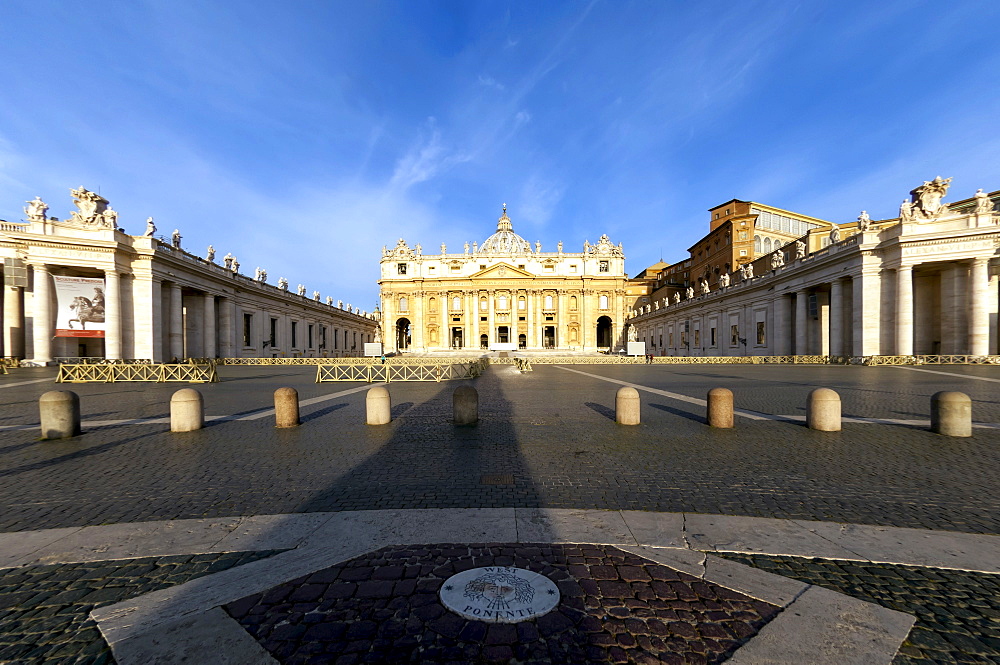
x=499 y=594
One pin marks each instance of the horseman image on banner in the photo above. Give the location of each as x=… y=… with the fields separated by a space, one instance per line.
x=81 y=306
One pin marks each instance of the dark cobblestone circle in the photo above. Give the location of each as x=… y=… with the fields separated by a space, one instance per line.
x=616 y=607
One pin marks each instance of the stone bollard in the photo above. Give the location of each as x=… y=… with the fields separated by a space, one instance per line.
x=720 y=407
x=465 y=405
x=286 y=407
x=60 y=414
x=379 y=406
x=951 y=414
x=627 y=406
x=823 y=410
x=187 y=411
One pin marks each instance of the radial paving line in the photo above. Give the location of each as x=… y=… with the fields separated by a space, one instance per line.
x=24 y=383
x=752 y=415
x=934 y=371
x=312 y=400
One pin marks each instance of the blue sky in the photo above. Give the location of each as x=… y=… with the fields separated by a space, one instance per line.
x=303 y=136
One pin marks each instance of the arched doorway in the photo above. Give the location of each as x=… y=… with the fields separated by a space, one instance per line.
x=402 y=334
x=503 y=334
x=484 y=341
x=604 y=332
x=522 y=341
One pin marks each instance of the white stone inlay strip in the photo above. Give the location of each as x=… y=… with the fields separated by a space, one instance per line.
x=25 y=383
x=823 y=627
x=934 y=371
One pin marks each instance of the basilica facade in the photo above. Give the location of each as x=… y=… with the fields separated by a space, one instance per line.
x=503 y=295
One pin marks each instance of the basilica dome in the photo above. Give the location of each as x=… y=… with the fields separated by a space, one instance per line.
x=505 y=241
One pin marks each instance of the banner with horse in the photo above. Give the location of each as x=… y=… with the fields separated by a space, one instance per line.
x=80 y=312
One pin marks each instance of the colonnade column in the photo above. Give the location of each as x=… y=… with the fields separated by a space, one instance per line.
x=866 y=293
x=801 y=322
x=42 y=315
x=112 y=315
x=837 y=318
x=13 y=323
x=227 y=317
x=904 y=311
x=209 y=331
x=979 y=316
x=176 y=335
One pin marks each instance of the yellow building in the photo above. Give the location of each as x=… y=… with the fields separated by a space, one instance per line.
x=503 y=295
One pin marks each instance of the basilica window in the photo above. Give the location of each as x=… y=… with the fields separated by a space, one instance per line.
x=548 y=302
x=520 y=303
x=432 y=305
x=572 y=302
x=502 y=302
x=482 y=305
x=603 y=266
x=403 y=305
x=456 y=303
x=603 y=302
x=400 y=268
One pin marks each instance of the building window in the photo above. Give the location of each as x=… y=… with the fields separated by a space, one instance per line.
x=322 y=337
x=734 y=332
x=550 y=268
x=336 y=340
x=572 y=303
x=572 y=268
x=743 y=252
x=603 y=266
x=455 y=268
x=697 y=337
x=603 y=300
x=502 y=302
x=483 y=306
x=295 y=335
x=247 y=329
x=760 y=332
x=548 y=302
x=432 y=305
x=456 y=303
x=400 y=268
x=743 y=235
x=756 y=245
x=430 y=269
x=274 y=333
x=355 y=345
x=712 y=330
x=310 y=336
x=520 y=303
x=404 y=305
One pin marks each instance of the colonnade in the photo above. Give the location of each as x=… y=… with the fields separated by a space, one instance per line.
x=915 y=308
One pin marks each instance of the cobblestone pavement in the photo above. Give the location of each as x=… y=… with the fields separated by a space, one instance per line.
x=44 y=610
x=545 y=439
x=958 y=613
x=615 y=607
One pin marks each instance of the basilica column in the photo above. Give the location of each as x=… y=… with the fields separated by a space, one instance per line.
x=491 y=317
x=112 y=315
x=532 y=321
x=42 y=314
x=176 y=334
x=837 y=318
x=13 y=323
x=801 y=322
x=904 y=311
x=209 y=348
x=979 y=311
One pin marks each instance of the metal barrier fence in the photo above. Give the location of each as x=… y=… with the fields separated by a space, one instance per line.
x=389 y=372
x=123 y=373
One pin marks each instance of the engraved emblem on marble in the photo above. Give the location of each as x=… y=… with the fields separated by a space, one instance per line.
x=35 y=210
x=499 y=594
